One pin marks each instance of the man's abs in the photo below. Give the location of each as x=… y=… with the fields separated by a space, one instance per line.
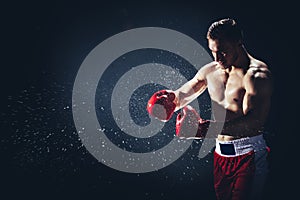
x=225 y=115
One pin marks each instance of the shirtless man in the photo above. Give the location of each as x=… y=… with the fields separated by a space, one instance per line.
x=240 y=84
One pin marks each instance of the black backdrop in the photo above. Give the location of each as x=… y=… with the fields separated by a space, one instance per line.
x=44 y=44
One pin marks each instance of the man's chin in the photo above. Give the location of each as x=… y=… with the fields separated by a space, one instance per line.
x=224 y=66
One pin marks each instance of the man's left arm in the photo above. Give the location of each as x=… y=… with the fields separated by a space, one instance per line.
x=256 y=104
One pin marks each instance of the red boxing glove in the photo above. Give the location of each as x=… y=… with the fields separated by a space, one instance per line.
x=189 y=124
x=161 y=105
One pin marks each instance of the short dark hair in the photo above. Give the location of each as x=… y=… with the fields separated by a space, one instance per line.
x=225 y=29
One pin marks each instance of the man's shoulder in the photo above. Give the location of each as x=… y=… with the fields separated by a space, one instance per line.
x=212 y=66
x=258 y=70
x=205 y=70
x=258 y=77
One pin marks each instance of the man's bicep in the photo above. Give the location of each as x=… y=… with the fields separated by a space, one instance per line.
x=258 y=95
x=190 y=90
x=198 y=83
x=195 y=84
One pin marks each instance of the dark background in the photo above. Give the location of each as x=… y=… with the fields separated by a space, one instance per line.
x=43 y=46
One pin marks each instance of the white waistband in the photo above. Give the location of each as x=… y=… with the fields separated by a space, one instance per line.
x=243 y=145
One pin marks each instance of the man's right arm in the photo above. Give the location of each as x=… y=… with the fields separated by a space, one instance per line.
x=164 y=103
x=191 y=89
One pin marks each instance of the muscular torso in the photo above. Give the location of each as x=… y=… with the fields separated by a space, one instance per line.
x=228 y=91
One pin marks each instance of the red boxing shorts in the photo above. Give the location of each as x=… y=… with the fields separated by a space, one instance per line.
x=240 y=168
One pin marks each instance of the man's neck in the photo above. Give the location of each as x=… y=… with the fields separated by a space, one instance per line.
x=243 y=60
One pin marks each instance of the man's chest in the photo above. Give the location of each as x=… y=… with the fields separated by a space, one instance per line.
x=226 y=88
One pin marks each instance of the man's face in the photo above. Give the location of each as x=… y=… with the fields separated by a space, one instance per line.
x=225 y=53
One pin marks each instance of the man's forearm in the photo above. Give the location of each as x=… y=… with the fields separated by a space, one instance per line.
x=188 y=92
